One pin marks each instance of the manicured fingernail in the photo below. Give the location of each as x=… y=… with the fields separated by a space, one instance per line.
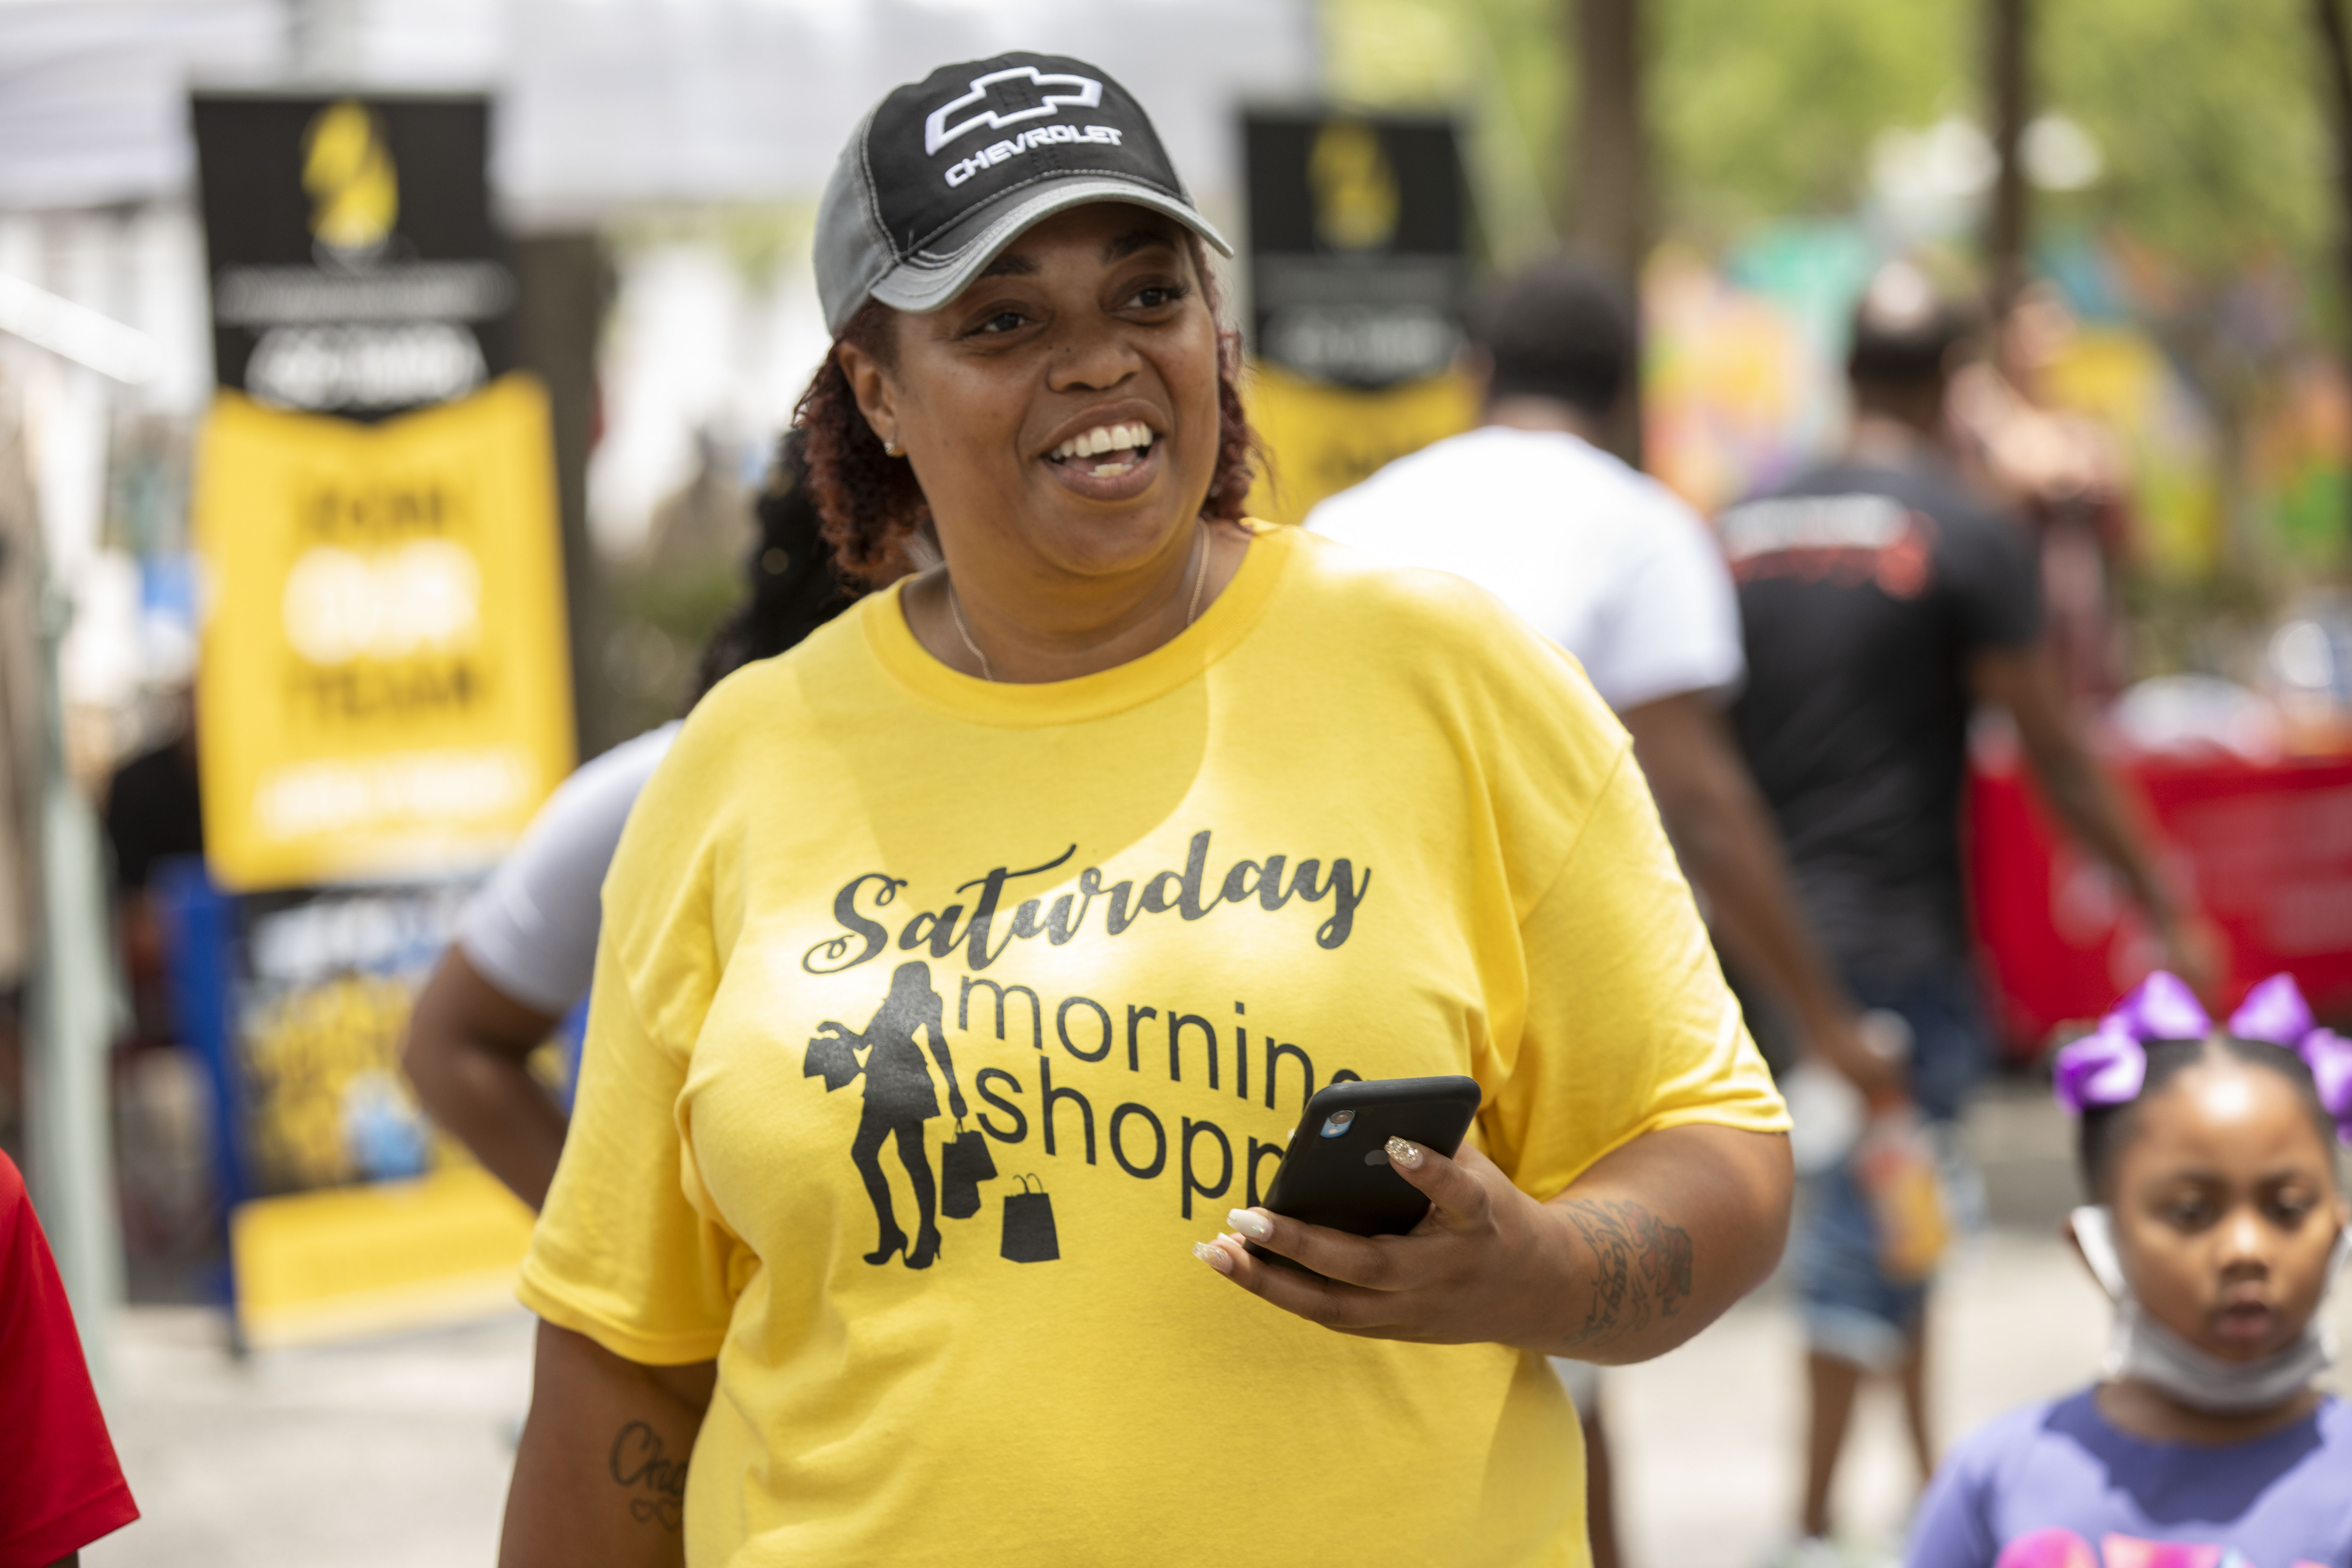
x=1404 y=1153
x=1251 y=1224
x=1214 y=1256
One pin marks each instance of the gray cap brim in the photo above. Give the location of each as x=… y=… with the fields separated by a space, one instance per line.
x=932 y=277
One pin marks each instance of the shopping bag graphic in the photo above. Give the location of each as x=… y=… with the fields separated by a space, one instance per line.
x=833 y=1056
x=965 y=1163
x=1029 y=1225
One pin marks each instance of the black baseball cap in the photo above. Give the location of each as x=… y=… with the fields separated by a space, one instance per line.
x=947 y=172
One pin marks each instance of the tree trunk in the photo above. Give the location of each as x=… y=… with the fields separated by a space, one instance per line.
x=1610 y=209
x=2005 y=237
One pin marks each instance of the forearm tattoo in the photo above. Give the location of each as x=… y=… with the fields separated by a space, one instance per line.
x=1641 y=1267
x=641 y=1463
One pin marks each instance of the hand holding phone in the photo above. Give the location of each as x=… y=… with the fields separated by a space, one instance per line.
x=1335 y=1172
x=1438 y=1246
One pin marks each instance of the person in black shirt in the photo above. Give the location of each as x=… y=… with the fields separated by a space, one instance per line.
x=1880 y=601
x=153 y=812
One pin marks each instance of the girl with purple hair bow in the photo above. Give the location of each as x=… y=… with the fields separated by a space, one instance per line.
x=2217 y=1225
x=2108 y=1067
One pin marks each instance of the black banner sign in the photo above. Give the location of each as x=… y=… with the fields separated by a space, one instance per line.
x=1357 y=266
x=355 y=267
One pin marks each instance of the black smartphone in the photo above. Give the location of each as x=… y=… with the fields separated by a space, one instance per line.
x=1336 y=1171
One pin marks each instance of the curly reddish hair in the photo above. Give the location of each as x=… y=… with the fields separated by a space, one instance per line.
x=871 y=502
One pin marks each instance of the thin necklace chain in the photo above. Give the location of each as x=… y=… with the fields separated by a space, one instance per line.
x=1199 y=581
x=964 y=632
x=1200 y=578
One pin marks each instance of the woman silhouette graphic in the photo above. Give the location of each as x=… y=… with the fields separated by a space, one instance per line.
x=899 y=1098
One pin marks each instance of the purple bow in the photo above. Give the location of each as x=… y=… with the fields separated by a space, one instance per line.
x=2162 y=1007
x=2275 y=1011
x=2107 y=1066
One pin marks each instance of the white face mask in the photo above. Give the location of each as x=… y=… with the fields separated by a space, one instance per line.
x=2142 y=1348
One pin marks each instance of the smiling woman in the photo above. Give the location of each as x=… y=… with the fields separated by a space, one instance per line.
x=1216 y=807
x=1090 y=338
x=874 y=503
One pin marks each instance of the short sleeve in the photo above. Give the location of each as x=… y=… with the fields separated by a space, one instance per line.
x=1950 y=1530
x=60 y=1486
x=629 y=1249
x=1629 y=1027
x=1672 y=620
x=620 y=1254
x=531 y=930
x=1997 y=583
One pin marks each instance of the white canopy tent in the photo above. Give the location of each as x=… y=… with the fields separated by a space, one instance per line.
x=604 y=104
x=605 y=109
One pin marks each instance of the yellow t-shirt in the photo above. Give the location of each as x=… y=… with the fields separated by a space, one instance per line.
x=1355 y=821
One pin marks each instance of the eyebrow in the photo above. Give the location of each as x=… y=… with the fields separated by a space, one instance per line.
x=1011 y=264
x=1133 y=240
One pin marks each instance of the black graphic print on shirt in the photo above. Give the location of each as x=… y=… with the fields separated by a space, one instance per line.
x=1064 y=1103
x=1029 y=1233
x=899 y=1098
x=861 y=900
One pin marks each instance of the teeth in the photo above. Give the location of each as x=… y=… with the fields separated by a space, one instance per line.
x=1105 y=438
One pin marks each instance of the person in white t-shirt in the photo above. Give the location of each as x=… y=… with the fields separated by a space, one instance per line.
x=1613 y=567
x=526 y=944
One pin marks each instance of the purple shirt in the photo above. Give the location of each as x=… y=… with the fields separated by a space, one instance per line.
x=2054 y=1486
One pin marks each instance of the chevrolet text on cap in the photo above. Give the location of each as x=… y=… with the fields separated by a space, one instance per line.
x=944 y=174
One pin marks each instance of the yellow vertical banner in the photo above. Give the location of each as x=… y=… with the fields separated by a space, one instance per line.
x=1321 y=438
x=1357 y=276
x=384 y=686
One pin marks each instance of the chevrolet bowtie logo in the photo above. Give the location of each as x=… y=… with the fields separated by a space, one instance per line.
x=1019 y=93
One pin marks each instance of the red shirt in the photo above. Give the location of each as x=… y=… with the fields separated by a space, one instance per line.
x=61 y=1488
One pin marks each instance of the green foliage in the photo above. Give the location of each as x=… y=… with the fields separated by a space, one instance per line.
x=1765 y=108
x=2211 y=118
x=1399 y=53
x=1760 y=108
x=1502 y=64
